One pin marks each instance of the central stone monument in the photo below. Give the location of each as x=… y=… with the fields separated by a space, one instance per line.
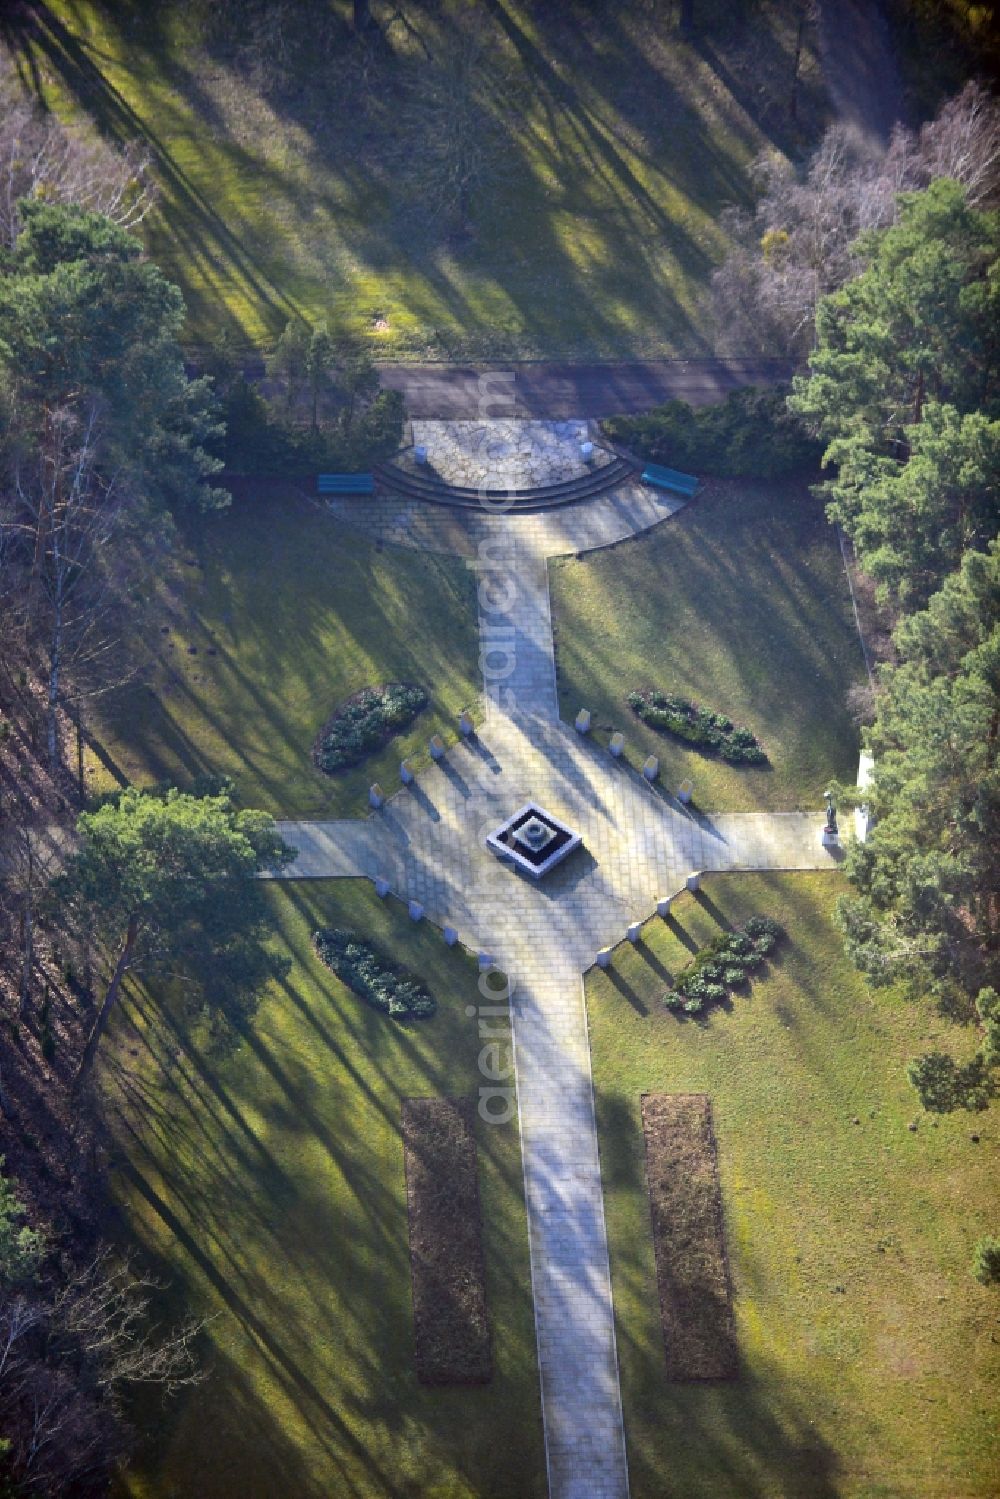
x=533 y=840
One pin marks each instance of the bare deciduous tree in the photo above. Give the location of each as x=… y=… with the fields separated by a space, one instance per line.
x=67 y=1352
x=799 y=244
x=41 y=158
x=64 y=514
x=963 y=142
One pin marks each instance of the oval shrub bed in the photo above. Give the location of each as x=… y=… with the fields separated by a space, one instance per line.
x=723 y=965
x=699 y=726
x=365 y=721
x=364 y=970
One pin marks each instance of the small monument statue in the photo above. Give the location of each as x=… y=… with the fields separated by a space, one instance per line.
x=831 y=815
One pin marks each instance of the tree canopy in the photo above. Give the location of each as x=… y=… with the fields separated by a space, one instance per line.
x=902 y=389
x=169 y=881
x=87 y=324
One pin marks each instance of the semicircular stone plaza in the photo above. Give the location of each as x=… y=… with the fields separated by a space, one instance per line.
x=639 y=844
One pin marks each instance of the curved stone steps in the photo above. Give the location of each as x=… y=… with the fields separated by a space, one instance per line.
x=390 y=477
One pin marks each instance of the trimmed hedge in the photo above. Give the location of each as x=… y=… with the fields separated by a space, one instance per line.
x=751 y=434
x=372 y=977
x=724 y=965
x=699 y=726
x=366 y=721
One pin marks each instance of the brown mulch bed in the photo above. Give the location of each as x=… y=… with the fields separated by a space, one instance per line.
x=685 y=1204
x=450 y=1320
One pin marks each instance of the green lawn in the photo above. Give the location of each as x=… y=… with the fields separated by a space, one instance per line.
x=740 y=602
x=869 y=1354
x=301 y=613
x=268 y=1186
x=293 y=170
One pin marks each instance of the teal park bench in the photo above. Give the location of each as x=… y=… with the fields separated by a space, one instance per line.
x=345 y=483
x=669 y=478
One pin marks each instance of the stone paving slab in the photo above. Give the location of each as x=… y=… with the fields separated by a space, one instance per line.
x=428 y=842
x=505 y=454
x=609 y=518
x=331 y=850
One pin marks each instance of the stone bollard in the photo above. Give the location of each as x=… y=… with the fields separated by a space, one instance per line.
x=685 y=792
x=586 y=451
x=603 y=957
x=693 y=882
x=616 y=744
x=416 y=910
x=486 y=963
x=651 y=768
x=663 y=906
x=375 y=797
x=465 y=725
x=381 y=887
x=436 y=746
x=450 y=936
x=420 y=453
x=634 y=932
x=405 y=773
x=583 y=721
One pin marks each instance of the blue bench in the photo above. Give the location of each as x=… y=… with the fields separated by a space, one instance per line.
x=345 y=483
x=670 y=478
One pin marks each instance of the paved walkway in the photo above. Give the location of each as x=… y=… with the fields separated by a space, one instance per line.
x=428 y=843
x=546 y=388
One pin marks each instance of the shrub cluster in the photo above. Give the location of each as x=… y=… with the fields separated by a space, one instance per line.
x=260 y=440
x=751 y=434
x=663 y=710
x=365 y=722
x=724 y=965
x=378 y=982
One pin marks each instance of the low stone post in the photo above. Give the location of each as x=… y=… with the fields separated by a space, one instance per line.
x=465 y=725
x=486 y=962
x=617 y=744
x=375 y=797
x=685 y=792
x=651 y=768
x=436 y=746
x=634 y=932
x=663 y=906
x=420 y=453
x=405 y=773
x=415 y=910
x=582 y=724
x=450 y=936
x=693 y=882
x=381 y=887
x=586 y=451
x=603 y=958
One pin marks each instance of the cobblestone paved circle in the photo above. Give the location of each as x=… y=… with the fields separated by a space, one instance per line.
x=428 y=842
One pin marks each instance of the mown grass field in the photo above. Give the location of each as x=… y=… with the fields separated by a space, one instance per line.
x=299 y=614
x=268 y=1187
x=295 y=164
x=869 y=1354
x=740 y=602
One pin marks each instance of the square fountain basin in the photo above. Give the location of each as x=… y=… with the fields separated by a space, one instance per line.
x=533 y=840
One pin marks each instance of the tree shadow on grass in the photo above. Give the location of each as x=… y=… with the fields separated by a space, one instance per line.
x=747 y=1438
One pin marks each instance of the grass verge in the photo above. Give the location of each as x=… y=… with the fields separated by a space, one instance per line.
x=305 y=171
x=268 y=1185
x=688 y=1236
x=450 y=1322
x=739 y=602
x=867 y=1354
x=275 y=616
